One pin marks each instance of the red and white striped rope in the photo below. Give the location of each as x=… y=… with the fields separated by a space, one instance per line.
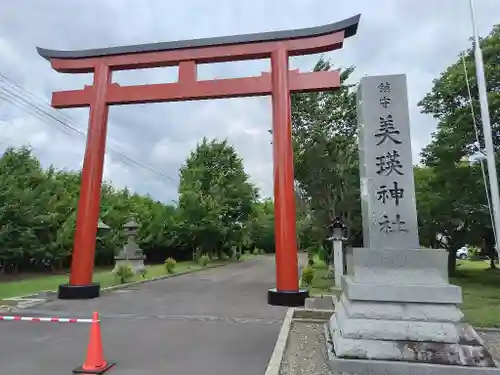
x=45 y=320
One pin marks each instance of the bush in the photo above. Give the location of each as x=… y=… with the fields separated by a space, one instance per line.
x=307 y=276
x=204 y=260
x=237 y=255
x=170 y=264
x=124 y=273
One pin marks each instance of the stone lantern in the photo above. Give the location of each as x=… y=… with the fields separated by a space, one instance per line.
x=338 y=232
x=102 y=228
x=131 y=253
x=337 y=229
x=131 y=228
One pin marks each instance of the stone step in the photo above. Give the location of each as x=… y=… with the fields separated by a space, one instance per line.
x=400 y=311
x=362 y=291
x=379 y=329
x=412 y=351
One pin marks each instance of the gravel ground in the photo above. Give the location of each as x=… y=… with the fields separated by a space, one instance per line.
x=492 y=341
x=305 y=353
x=306 y=350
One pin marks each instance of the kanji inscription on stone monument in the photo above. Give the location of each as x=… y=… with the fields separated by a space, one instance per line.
x=386 y=169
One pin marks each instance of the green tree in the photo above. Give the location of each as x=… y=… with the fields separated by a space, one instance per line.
x=218 y=212
x=261 y=226
x=453 y=190
x=449 y=103
x=215 y=198
x=450 y=204
x=326 y=156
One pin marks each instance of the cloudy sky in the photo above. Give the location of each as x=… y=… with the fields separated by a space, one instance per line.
x=417 y=37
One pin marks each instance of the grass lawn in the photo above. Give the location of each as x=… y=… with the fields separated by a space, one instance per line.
x=103 y=276
x=321 y=283
x=480 y=290
x=481 y=293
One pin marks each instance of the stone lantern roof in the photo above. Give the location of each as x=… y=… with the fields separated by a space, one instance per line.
x=132 y=224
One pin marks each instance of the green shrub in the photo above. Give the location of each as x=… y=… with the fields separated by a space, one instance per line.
x=237 y=255
x=124 y=273
x=204 y=260
x=307 y=276
x=170 y=264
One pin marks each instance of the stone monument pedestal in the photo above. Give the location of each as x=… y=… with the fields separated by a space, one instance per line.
x=398 y=314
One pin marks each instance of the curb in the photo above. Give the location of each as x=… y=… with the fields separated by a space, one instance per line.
x=487 y=330
x=309 y=320
x=32 y=302
x=273 y=367
x=5 y=308
x=301 y=314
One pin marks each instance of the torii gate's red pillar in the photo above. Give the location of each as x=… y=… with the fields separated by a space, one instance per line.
x=284 y=197
x=82 y=264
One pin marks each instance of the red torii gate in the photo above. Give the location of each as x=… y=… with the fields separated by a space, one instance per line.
x=186 y=54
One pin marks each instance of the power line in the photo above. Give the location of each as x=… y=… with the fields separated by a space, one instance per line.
x=73 y=128
x=29 y=109
x=67 y=129
x=24 y=91
x=65 y=123
x=25 y=100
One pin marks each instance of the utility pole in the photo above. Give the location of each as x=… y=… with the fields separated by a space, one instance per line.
x=485 y=119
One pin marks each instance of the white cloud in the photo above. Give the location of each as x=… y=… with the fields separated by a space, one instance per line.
x=419 y=38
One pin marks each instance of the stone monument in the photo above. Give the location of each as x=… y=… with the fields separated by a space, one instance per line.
x=397 y=314
x=131 y=253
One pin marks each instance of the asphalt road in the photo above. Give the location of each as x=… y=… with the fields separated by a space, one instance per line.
x=213 y=322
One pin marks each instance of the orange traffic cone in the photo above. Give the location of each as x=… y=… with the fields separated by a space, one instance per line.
x=95 y=362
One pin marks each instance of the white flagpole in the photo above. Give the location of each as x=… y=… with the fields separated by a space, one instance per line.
x=485 y=119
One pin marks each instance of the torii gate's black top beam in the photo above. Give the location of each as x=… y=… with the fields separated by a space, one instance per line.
x=349 y=26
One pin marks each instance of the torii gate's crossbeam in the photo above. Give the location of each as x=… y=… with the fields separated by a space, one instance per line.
x=188 y=88
x=187 y=54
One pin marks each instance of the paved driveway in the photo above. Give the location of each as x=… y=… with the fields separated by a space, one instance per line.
x=214 y=322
